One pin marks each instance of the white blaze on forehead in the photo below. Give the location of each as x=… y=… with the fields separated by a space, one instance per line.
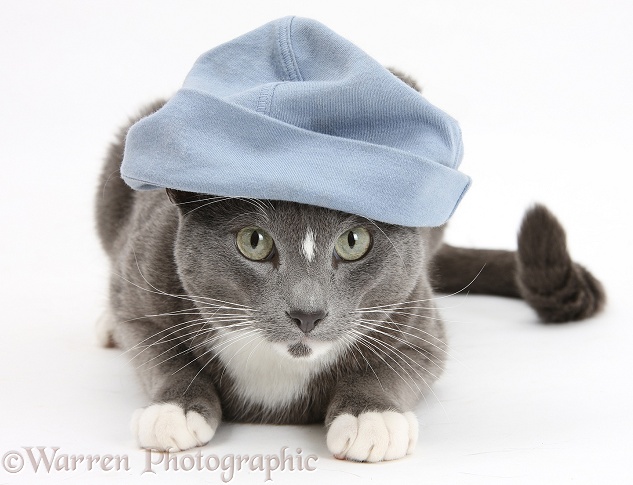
x=308 y=247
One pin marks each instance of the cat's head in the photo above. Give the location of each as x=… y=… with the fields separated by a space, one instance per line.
x=294 y=274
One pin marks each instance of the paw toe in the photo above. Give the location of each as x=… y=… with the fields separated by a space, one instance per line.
x=398 y=428
x=167 y=427
x=342 y=434
x=373 y=436
x=372 y=439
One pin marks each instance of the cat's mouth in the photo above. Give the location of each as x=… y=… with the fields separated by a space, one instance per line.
x=299 y=349
x=306 y=348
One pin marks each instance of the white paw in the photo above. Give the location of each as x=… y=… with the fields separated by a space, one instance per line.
x=373 y=436
x=166 y=427
x=105 y=329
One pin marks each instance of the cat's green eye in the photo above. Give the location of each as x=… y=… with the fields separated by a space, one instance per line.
x=353 y=244
x=255 y=243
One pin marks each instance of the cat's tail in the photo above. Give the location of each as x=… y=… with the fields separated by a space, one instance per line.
x=540 y=271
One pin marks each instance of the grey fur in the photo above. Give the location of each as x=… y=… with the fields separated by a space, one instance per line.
x=189 y=249
x=173 y=256
x=541 y=272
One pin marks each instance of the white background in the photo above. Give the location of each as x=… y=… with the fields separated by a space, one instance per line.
x=542 y=90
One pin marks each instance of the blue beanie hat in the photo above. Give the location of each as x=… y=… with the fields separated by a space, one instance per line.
x=292 y=111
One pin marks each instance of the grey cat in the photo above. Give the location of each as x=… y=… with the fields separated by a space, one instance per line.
x=266 y=311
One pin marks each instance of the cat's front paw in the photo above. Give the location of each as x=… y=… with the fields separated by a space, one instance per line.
x=373 y=436
x=167 y=427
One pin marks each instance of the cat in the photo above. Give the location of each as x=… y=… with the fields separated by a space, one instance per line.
x=265 y=311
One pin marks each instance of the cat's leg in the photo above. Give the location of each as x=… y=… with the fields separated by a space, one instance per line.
x=105 y=329
x=369 y=417
x=185 y=408
x=373 y=436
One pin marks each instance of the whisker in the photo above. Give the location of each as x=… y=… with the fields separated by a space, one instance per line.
x=397 y=326
x=178 y=326
x=424 y=352
x=257 y=203
x=216 y=349
x=189 y=297
x=416 y=315
x=435 y=298
x=258 y=213
x=215 y=354
x=217 y=199
x=182 y=312
x=414 y=348
x=402 y=307
x=270 y=204
x=249 y=356
x=361 y=340
x=210 y=340
x=186 y=350
x=171 y=330
x=214 y=197
x=106 y=182
x=195 y=333
x=373 y=328
x=181 y=297
x=238 y=351
x=399 y=353
x=213 y=201
x=349 y=347
x=354 y=344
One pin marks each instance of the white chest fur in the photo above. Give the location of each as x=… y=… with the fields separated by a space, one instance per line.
x=265 y=373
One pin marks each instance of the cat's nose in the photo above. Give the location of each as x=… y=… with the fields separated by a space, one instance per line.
x=306 y=321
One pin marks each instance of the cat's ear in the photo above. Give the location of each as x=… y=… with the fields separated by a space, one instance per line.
x=405 y=78
x=181 y=197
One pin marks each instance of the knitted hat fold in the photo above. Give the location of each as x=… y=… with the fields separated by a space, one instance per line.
x=292 y=111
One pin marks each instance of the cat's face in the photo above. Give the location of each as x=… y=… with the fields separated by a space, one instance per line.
x=295 y=274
